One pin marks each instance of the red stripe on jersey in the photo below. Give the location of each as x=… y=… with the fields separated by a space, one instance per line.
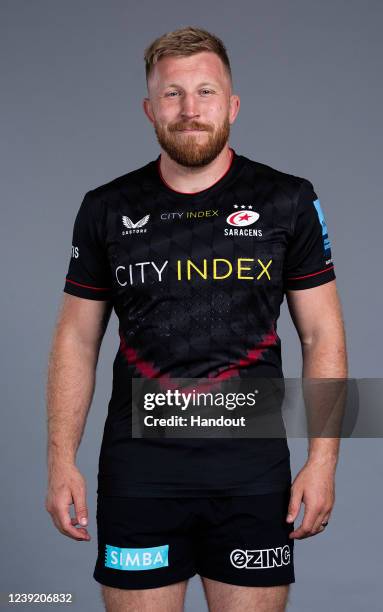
x=88 y=286
x=307 y=275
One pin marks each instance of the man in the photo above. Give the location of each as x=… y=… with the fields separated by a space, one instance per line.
x=149 y=244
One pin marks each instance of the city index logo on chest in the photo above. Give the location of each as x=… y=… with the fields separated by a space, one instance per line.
x=243 y=268
x=188 y=214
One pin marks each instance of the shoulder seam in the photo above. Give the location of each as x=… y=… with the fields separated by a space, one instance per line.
x=295 y=214
x=98 y=215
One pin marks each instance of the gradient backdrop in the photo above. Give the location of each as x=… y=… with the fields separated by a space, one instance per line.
x=309 y=77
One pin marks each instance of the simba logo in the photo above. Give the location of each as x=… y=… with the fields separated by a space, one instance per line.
x=134 y=228
x=136 y=558
x=239 y=219
x=260 y=559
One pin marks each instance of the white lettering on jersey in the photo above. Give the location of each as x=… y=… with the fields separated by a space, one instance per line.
x=239 y=231
x=140 y=264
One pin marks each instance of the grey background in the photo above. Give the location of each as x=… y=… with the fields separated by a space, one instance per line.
x=309 y=77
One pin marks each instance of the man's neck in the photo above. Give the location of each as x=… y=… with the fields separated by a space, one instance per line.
x=192 y=180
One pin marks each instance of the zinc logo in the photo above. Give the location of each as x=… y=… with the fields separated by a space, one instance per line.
x=260 y=559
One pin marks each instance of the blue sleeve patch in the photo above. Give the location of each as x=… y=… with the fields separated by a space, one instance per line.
x=326 y=241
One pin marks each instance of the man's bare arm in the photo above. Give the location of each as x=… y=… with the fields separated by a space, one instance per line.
x=318 y=319
x=317 y=316
x=70 y=386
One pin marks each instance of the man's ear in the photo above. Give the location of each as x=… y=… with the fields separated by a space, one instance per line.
x=235 y=104
x=146 y=105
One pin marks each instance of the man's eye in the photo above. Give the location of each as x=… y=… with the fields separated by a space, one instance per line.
x=169 y=94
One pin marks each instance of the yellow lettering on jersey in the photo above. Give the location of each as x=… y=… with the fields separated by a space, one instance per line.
x=215 y=276
x=264 y=269
x=241 y=267
x=190 y=263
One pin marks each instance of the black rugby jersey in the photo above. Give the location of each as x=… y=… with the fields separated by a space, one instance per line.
x=196 y=281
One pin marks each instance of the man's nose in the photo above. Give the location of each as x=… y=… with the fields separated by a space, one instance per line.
x=189 y=106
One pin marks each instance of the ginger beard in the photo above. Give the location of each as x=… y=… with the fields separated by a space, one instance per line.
x=191 y=149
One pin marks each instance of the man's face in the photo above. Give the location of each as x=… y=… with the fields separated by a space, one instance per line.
x=191 y=107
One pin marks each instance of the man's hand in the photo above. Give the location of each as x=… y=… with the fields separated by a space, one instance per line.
x=67 y=486
x=315 y=486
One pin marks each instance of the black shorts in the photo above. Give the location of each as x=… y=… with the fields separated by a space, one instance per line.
x=152 y=542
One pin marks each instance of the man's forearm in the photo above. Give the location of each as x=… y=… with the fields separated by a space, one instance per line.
x=325 y=357
x=70 y=387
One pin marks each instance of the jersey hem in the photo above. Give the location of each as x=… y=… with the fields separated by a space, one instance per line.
x=161 y=491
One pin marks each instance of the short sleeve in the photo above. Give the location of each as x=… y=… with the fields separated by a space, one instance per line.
x=308 y=261
x=88 y=272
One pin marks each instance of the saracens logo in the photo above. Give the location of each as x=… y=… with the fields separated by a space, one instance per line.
x=241 y=218
x=263 y=558
x=134 y=228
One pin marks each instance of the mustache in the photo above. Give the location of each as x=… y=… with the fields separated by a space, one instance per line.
x=191 y=126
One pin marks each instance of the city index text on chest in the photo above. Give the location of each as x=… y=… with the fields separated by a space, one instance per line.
x=244 y=268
